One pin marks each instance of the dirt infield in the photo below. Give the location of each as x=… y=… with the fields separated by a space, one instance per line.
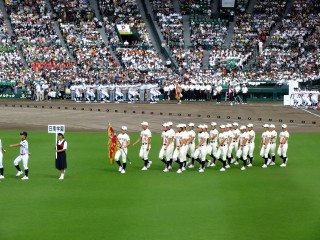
x=94 y=117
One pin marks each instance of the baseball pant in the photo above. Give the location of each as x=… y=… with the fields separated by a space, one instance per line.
x=282 y=150
x=251 y=149
x=123 y=153
x=273 y=149
x=265 y=151
x=24 y=159
x=165 y=153
x=1 y=158
x=144 y=153
x=243 y=152
x=222 y=152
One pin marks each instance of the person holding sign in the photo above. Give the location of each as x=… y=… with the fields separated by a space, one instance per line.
x=61 y=157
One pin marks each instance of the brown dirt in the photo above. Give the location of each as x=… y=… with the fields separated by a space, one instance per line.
x=94 y=117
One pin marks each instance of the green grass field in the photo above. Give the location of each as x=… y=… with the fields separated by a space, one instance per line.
x=96 y=202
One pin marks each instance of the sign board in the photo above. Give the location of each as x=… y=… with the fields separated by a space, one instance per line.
x=124 y=29
x=56 y=128
x=228 y=3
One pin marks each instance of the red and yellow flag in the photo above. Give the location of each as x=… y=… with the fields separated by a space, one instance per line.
x=113 y=144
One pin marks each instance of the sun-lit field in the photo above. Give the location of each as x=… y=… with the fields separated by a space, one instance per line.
x=96 y=202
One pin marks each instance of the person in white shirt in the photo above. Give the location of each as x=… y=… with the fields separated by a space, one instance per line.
x=24 y=156
x=243 y=148
x=273 y=143
x=2 y=150
x=196 y=154
x=191 y=143
x=219 y=93
x=124 y=141
x=283 y=145
x=244 y=94
x=165 y=152
x=201 y=148
x=229 y=134
x=212 y=149
x=251 y=145
x=104 y=93
x=178 y=145
x=265 y=145
x=222 y=146
x=234 y=144
x=171 y=145
x=145 y=138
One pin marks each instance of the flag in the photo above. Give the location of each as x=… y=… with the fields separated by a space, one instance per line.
x=113 y=144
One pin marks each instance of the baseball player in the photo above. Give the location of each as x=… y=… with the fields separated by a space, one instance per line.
x=207 y=136
x=185 y=148
x=201 y=149
x=212 y=150
x=24 y=155
x=119 y=94
x=124 y=142
x=296 y=96
x=251 y=138
x=2 y=150
x=222 y=147
x=196 y=151
x=145 y=138
x=243 y=148
x=132 y=94
x=265 y=145
x=229 y=133
x=171 y=149
x=283 y=145
x=191 y=143
x=104 y=93
x=234 y=144
x=178 y=145
x=167 y=147
x=305 y=98
x=273 y=143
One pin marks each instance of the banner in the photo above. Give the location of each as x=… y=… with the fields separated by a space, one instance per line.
x=113 y=145
x=124 y=29
x=228 y=3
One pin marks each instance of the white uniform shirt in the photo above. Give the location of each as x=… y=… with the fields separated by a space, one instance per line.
x=282 y=135
x=185 y=136
x=24 y=147
x=123 y=139
x=178 y=137
x=192 y=134
x=223 y=136
x=243 y=138
x=214 y=133
x=145 y=135
x=235 y=133
x=253 y=134
x=274 y=134
x=265 y=136
x=166 y=135
x=205 y=136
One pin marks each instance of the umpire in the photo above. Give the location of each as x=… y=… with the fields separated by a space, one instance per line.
x=61 y=159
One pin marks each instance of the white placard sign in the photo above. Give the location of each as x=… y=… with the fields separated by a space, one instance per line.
x=57 y=128
x=228 y=3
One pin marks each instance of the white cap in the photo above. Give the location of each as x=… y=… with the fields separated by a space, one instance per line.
x=235 y=124
x=191 y=124
x=200 y=126
x=222 y=126
x=205 y=126
x=179 y=125
x=184 y=125
x=144 y=123
x=272 y=126
x=265 y=125
x=284 y=125
x=170 y=123
x=165 y=125
x=243 y=127
x=250 y=125
x=228 y=125
x=124 y=128
x=213 y=124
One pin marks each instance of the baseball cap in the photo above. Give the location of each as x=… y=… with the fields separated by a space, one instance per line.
x=184 y=125
x=205 y=126
x=179 y=125
x=250 y=125
x=213 y=124
x=228 y=125
x=165 y=125
x=144 y=123
x=235 y=124
x=222 y=126
x=124 y=128
x=272 y=126
x=284 y=125
x=200 y=126
x=243 y=128
x=170 y=123
x=191 y=124
x=265 y=125
x=24 y=133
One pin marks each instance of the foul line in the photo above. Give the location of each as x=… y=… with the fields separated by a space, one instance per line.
x=309 y=112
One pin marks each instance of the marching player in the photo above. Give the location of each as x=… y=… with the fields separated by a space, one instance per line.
x=196 y=151
x=2 y=150
x=207 y=136
x=273 y=143
x=166 y=149
x=185 y=148
x=172 y=134
x=24 y=156
x=243 y=149
x=145 y=137
x=265 y=145
x=124 y=141
x=178 y=146
x=229 y=133
x=213 y=143
x=234 y=144
x=251 y=138
x=191 y=144
x=283 y=145
x=221 y=154
x=201 y=149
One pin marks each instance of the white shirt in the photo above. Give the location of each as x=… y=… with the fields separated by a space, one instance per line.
x=191 y=134
x=205 y=136
x=253 y=134
x=282 y=135
x=212 y=134
x=223 y=136
x=265 y=136
x=274 y=134
x=243 y=138
x=145 y=135
x=65 y=144
x=123 y=139
x=235 y=132
x=24 y=147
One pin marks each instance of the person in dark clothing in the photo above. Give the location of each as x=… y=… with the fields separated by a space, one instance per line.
x=61 y=157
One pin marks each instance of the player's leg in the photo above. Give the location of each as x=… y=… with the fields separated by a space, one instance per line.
x=146 y=156
x=141 y=155
x=284 y=155
x=25 y=159
x=16 y=164
x=203 y=153
x=273 y=153
x=1 y=166
x=251 y=150
x=124 y=153
x=117 y=158
x=245 y=151
x=224 y=151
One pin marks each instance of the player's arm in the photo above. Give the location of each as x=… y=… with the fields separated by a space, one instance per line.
x=284 y=140
x=214 y=136
x=148 y=144
x=15 y=145
x=222 y=142
x=126 y=145
x=138 y=140
x=200 y=142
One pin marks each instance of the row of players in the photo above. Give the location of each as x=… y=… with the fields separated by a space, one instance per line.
x=229 y=145
x=305 y=98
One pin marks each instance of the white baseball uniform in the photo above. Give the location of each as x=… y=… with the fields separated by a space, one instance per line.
x=273 y=142
x=282 y=149
x=243 y=146
x=123 y=140
x=145 y=136
x=24 y=154
x=251 y=135
x=265 y=144
x=223 y=149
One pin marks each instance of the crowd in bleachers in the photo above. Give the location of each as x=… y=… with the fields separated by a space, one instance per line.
x=228 y=59
x=189 y=58
x=202 y=7
x=170 y=22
